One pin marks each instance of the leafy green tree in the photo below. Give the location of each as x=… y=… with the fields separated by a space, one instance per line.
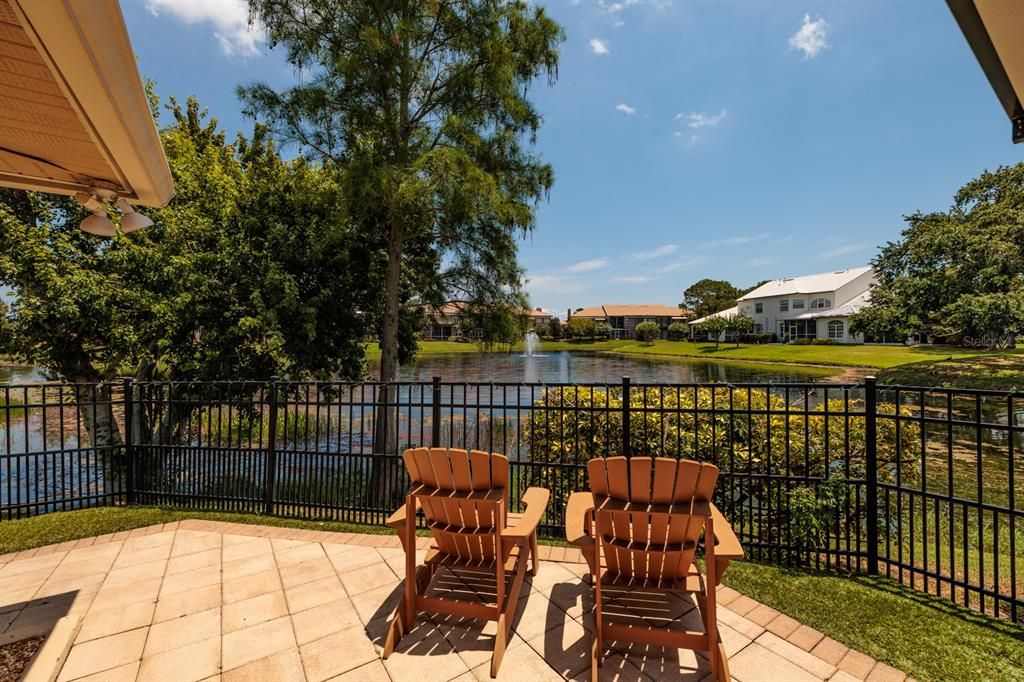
x=420 y=109
x=739 y=324
x=647 y=331
x=249 y=272
x=602 y=331
x=555 y=328
x=677 y=331
x=709 y=296
x=581 y=328
x=497 y=324
x=955 y=275
x=714 y=327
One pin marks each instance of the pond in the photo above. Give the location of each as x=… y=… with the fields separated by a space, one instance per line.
x=563 y=367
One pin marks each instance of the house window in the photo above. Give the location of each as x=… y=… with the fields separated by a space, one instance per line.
x=783 y=305
x=836 y=330
x=798 y=304
x=759 y=307
x=820 y=303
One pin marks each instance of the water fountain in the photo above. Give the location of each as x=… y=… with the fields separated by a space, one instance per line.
x=531 y=343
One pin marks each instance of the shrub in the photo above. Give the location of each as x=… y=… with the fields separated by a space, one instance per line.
x=580 y=328
x=555 y=329
x=602 y=331
x=802 y=342
x=647 y=331
x=823 y=342
x=764 y=337
x=677 y=331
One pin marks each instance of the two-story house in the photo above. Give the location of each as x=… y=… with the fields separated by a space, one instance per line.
x=808 y=307
x=446 y=322
x=623 y=318
x=812 y=306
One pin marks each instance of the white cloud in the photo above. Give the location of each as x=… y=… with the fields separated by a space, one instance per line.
x=588 y=265
x=738 y=240
x=625 y=108
x=684 y=263
x=598 y=46
x=699 y=119
x=553 y=284
x=811 y=38
x=762 y=260
x=660 y=252
x=229 y=19
x=632 y=279
x=843 y=250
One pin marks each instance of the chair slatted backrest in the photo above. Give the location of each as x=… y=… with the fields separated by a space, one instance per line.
x=467 y=489
x=650 y=513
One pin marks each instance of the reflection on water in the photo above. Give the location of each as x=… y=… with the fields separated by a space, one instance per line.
x=20 y=374
x=566 y=367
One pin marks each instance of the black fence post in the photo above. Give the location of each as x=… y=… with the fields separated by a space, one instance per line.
x=871 y=470
x=435 y=414
x=271 y=473
x=626 y=438
x=129 y=449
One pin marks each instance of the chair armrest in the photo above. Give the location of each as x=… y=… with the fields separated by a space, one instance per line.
x=577 y=518
x=727 y=545
x=536 y=501
x=397 y=519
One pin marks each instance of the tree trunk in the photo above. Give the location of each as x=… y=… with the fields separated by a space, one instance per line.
x=95 y=406
x=383 y=444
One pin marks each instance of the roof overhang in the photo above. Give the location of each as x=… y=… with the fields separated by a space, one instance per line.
x=995 y=31
x=74 y=116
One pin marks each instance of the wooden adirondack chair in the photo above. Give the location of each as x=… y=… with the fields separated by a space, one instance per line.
x=638 y=529
x=464 y=498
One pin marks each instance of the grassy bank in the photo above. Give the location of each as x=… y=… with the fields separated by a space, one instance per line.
x=928 y=638
x=1002 y=371
x=876 y=357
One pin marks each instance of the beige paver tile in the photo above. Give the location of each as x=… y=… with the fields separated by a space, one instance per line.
x=142 y=556
x=308 y=595
x=298 y=554
x=366 y=578
x=883 y=672
x=743 y=605
x=123 y=673
x=259 y=641
x=566 y=647
x=805 y=637
x=829 y=650
x=118 y=595
x=349 y=561
x=535 y=615
x=191 y=542
x=185 y=603
x=190 y=562
x=249 y=565
x=320 y=658
x=782 y=626
x=755 y=663
x=740 y=624
x=296 y=574
x=103 y=654
x=33 y=565
x=245 y=548
x=658 y=663
x=726 y=595
x=320 y=621
x=251 y=586
x=842 y=676
x=615 y=668
x=857 y=664
x=734 y=641
x=98 y=624
x=283 y=666
x=201 y=577
x=795 y=654
x=519 y=663
x=423 y=654
x=190 y=663
x=253 y=611
x=178 y=632
x=123 y=577
x=371 y=672
x=378 y=604
x=762 y=615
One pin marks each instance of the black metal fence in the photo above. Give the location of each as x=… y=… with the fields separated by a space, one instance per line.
x=922 y=485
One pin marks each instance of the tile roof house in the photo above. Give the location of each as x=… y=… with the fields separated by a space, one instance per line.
x=623 y=318
x=445 y=322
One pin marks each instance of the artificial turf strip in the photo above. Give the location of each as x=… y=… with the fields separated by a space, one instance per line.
x=926 y=637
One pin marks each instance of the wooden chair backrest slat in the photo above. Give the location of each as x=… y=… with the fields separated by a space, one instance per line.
x=463 y=523
x=639 y=538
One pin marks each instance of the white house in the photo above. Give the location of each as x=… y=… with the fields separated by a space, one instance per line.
x=809 y=307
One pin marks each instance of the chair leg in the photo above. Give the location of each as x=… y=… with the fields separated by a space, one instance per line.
x=500 y=640
x=595 y=659
x=534 y=557
x=723 y=662
x=395 y=630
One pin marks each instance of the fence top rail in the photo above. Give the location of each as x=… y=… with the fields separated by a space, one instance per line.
x=953 y=390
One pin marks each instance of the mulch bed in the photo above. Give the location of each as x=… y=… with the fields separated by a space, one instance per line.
x=15 y=657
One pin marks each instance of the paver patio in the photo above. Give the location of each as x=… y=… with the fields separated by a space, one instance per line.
x=199 y=600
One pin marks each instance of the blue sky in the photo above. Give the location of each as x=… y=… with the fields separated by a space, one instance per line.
x=741 y=141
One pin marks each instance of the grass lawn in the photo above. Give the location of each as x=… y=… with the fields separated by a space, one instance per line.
x=1004 y=372
x=928 y=638
x=426 y=348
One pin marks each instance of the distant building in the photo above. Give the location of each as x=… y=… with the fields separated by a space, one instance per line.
x=445 y=323
x=623 y=318
x=809 y=307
